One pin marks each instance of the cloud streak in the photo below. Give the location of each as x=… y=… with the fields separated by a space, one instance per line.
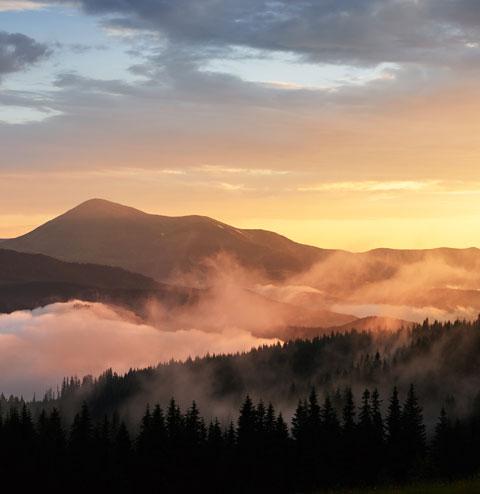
x=372 y=186
x=21 y=5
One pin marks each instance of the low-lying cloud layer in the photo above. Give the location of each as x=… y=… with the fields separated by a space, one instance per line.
x=440 y=284
x=39 y=347
x=237 y=311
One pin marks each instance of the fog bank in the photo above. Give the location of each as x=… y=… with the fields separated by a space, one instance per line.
x=38 y=348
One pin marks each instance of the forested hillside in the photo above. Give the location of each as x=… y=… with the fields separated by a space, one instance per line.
x=326 y=445
x=440 y=358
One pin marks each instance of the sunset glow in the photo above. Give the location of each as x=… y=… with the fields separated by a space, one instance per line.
x=314 y=136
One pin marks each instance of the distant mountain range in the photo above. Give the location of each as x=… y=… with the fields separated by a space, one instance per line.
x=145 y=254
x=28 y=281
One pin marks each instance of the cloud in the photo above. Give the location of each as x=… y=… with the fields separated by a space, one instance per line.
x=372 y=186
x=405 y=128
x=18 y=52
x=39 y=347
x=340 y=31
x=21 y=5
x=242 y=171
x=438 y=283
x=22 y=115
x=407 y=313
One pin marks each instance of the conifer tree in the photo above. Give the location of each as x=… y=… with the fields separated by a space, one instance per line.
x=365 y=415
x=281 y=430
x=230 y=436
x=443 y=446
x=144 y=439
x=174 y=422
x=377 y=437
x=413 y=427
x=328 y=415
x=377 y=421
x=193 y=425
x=214 y=434
x=348 y=414
x=158 y=431
x=122 y=447
x=394 y=421
x=260 y=419
x=299 y=422
x=247 y=424
x=270 y=421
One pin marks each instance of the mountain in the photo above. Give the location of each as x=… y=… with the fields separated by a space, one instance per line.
x=174 y=250
x=17 y=267
x=28 y=281
x=103 y=232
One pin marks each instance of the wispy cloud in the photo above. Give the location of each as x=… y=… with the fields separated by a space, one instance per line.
x=373 y=186
x=282 y=85
x=17 y=115
x=21 y=5
x=136 y=172
x=232 y=187
x=243 y=171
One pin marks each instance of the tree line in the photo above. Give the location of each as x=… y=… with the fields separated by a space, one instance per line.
x=287 y=371
x=328 y=443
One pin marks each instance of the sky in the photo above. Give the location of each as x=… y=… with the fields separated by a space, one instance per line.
x=339 y=123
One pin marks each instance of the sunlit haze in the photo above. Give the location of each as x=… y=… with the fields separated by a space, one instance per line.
x=259 y=114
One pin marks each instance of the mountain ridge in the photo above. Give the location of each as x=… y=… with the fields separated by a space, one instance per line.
x=158 y=246
x=189 y=250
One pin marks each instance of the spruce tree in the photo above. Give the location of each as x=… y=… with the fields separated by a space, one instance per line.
x=377 y=421
x=247 y=424
x=443 y=447
x=377 y=439
x=158 y=431
x=348 y=413
x=413 y=427
x=299 y=422
x=394 y=442
x=193 y=426
x=394 y=421
x=174 y=422
x=349 y=438
x=144 y=439
x=365 y=415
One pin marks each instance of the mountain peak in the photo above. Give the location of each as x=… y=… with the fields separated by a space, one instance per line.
x=101 y=208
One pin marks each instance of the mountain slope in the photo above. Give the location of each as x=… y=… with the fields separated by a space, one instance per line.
x=28 y=281
x=174 y=250
x=103 y=232
x=18 y=267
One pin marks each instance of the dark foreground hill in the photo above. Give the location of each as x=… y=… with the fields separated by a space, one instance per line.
x=28 y=281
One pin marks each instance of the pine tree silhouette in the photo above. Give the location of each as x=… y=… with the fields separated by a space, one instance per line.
x=413 y=431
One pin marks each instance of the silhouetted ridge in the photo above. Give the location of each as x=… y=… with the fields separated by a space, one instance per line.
x=28 y=281
x=100 y=208
x=160 y=247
